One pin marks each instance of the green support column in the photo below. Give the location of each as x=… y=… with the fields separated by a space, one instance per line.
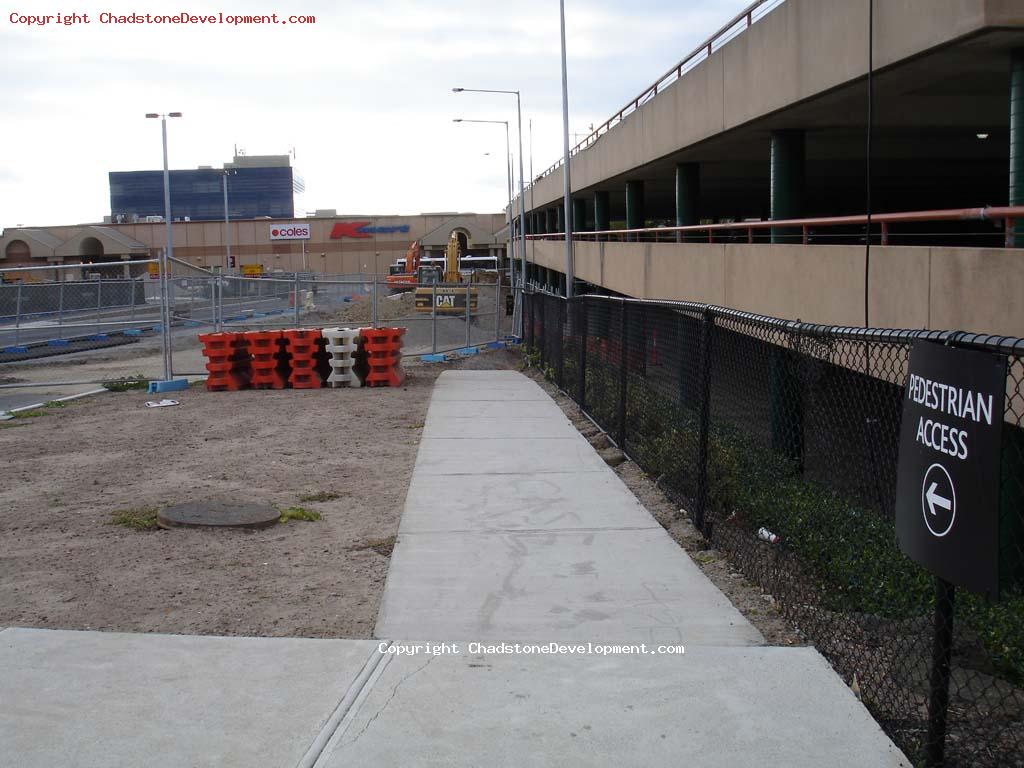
x=635 y=215
x=787 y=182
x=687 y=194
x=579 y=214
x=550 y=221
x=1017 y=138
x=602 y=215
x=560 y=219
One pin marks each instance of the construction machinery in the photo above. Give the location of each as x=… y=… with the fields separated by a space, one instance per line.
x=403 y=274
x=445 y=293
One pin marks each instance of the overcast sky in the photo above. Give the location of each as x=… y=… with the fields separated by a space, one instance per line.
x=363 y=95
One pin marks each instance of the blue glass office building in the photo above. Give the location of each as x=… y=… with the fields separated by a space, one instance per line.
x=198 y=194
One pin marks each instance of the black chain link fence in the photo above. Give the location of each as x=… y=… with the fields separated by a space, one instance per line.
x=780 y=440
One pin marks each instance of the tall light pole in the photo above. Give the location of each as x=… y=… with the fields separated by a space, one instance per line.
x=229 y=264
x=522 y=202
x=565 y=164
x=168 y=248
x=508 y=175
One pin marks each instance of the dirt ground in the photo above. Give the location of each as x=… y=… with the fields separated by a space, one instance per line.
x=63 y=565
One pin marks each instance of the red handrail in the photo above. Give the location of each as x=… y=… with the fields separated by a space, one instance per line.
x=673 y=74
x=1007 y=214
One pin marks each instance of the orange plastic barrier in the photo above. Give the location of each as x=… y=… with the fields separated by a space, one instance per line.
x=309 y=360
x=270 y=368
x=228 y=361
x=383 y=348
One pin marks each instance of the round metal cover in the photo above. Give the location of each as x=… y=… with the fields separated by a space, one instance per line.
x=218 y=514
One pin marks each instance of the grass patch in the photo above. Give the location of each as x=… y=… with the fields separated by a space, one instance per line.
x=298 y=513
x=27 y=414
x=126 y=383
x=55 y=404
x=138 y=519
x=381 y=546
x=319 y=496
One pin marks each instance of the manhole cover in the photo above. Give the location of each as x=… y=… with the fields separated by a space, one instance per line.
x=218 y=514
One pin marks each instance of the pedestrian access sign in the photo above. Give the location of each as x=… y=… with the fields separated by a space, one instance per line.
x=947 y=489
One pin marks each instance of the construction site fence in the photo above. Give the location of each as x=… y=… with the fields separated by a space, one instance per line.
x=140 y=320
x=779 y=440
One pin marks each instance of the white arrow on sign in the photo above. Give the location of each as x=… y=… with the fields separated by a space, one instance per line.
x=936 y=500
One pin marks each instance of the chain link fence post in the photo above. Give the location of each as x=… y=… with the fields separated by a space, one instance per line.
x=623 y=374
x=582 y=364
x=560 y=340
x=60 y=307
x=701 y=507
x=469 y=319
x=938 y=681
x=374 y=301
x=433 y=318
x=497 y=309
x=295 y=294
x=17 y=316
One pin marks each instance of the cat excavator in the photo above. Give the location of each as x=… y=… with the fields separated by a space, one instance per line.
x=445 y=292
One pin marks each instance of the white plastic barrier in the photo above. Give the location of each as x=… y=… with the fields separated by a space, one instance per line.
x=343 y=344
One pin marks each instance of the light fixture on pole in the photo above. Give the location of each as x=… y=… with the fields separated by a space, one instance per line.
x=169 y=247
x=508 y=169
x=522 y=202
x=565 y=163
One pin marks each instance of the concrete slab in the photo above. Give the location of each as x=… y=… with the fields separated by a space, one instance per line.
x=474 y=409
x=712 y=707
x=516 y=455
x=602 y=585
x=107 y=699
x=552 y=501
x=484 y=427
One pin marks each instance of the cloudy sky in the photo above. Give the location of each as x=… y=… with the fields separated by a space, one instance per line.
x=363 y=95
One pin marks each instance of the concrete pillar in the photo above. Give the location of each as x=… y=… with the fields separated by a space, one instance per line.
x=788 y=152
x=635 y=214
x=687 y=195
x=579 y=214
x=560 y=219
x=550 y=221
x=1017 y=136
x=602 y=212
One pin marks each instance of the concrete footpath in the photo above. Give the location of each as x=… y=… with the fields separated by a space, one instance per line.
x=514 y=531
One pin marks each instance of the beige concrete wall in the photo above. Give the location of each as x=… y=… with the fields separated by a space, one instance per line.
x=969 y=289
x=801 y=49
x=202 y=243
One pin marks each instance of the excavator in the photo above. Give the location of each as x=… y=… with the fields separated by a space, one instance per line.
x=445 y=293
x=403 y=276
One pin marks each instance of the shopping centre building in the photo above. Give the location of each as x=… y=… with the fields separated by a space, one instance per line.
x=325 y=243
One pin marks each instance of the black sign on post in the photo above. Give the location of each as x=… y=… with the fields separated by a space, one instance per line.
x=947 y=490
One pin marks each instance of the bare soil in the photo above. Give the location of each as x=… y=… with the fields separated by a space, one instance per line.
x=63 y=564
x=68 y=470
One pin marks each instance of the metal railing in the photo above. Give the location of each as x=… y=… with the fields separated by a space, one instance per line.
x=807 y=230
x=779 y=440
x=739 y=24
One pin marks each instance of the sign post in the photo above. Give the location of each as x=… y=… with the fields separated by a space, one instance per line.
x=947 y=492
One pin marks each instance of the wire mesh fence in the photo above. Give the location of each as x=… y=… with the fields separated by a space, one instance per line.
x=122 y=321
x=780 y=441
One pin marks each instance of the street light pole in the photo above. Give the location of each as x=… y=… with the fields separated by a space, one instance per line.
x=508 y=171
x=168 y=247
x=565 y=164
x=522 y=201
x=229 y=265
